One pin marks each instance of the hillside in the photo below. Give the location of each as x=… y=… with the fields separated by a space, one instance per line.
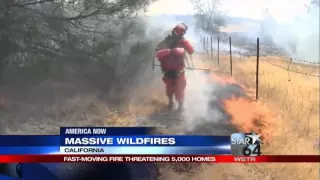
x=230 y=20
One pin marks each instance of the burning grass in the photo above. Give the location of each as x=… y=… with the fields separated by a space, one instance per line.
x=288 y=109
x=248 y=115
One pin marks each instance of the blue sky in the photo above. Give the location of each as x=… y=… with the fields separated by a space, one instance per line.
x=281 y=10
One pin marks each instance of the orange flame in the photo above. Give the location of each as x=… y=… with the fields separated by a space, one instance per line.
x=247 y=115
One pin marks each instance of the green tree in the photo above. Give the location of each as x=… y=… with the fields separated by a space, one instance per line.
x=43 y=30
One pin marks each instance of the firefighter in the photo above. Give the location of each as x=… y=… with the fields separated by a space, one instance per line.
x=171 y=53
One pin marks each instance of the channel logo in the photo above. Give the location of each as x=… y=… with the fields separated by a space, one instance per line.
x=245 y=144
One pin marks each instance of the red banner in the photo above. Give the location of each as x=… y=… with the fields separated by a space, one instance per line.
x=156 y=158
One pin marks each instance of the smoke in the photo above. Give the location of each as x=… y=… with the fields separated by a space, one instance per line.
x=198 y=96
x=300 y=37
x=161 y=25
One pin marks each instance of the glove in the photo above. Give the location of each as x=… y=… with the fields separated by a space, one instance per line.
x=161 y=54
x=179 y=52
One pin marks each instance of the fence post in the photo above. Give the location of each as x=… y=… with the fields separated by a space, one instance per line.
x=218 y=50
x=204 y=42
x=211 y=59
x=230 y=51
x=207 y=45
x=257 y=70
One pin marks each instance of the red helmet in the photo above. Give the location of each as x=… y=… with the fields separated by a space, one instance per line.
x=180 y=30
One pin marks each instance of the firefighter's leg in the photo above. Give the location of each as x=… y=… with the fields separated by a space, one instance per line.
x=181 y=84
x=169 y=90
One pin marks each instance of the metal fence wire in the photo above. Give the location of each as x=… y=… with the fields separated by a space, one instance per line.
x=219 y=49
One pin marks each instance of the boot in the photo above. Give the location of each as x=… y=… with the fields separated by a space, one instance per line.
x=180 y=107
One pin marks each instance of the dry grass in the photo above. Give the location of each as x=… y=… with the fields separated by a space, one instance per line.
x=295 y=99
x=43 y=109
x=294 y=106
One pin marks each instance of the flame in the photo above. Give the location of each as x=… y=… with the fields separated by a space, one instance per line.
x=247 y=115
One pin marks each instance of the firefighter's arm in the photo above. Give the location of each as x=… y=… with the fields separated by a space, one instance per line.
x=162 y=50
x=187 y=46
x=163 y=54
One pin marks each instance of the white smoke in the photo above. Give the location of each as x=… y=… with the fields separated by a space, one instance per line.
x=164 y=23
x=199 y=94
x=299 y=37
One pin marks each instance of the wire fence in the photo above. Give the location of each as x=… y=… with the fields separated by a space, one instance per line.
x=292 y=84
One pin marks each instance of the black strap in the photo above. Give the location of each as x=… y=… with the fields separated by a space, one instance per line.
x=175 y=42
x=172 y=74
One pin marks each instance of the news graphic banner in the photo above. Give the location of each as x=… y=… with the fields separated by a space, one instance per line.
x=134 y=145
x=113 y=141
x=65 y=158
